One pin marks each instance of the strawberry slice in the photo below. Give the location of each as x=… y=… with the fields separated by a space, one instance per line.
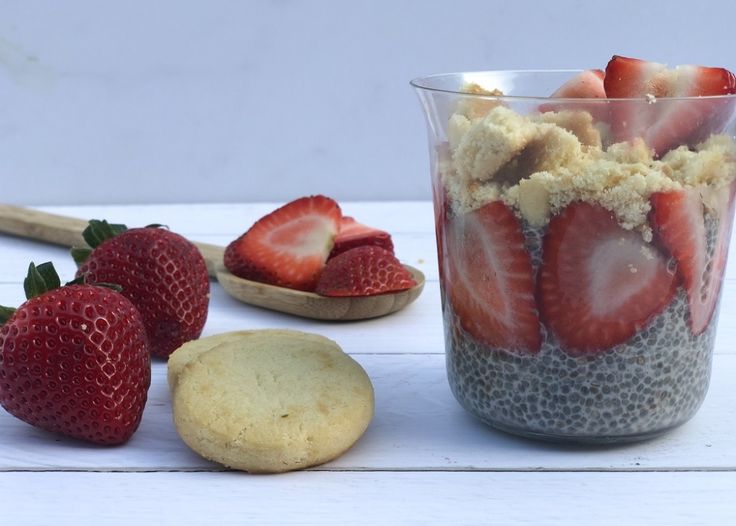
x=364 y=271
x=667 y=124
x=587 y=84
x=598 y=283
x=678 y=220
x=289 y=246
x=352 y=234
x=629 y=78
x=489 y=278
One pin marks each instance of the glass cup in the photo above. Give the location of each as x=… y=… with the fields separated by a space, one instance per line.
x=581 y=245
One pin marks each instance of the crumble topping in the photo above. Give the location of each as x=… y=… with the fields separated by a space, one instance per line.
x=539 y=164
x=474 y=107
x=579 y=123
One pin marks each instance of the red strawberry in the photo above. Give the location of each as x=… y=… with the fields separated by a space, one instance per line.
x=163 y=274
x=289 y=246
x=364 y=271
x=587 y=84
x=634 y=78
x=598 y=283
x=441 y=202
x=667 y=124
x=74 y=360
x=678 y=220
x=489 y=278
x=352 y=234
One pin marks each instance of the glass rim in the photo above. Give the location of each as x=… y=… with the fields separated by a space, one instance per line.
x=424 y=83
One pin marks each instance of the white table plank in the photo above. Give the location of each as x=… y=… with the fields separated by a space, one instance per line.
x=423 y=459
x=555 y=499
x=418 y=426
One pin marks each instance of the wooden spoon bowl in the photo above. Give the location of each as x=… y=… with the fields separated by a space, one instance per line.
x=67 y=231
x=311 y=305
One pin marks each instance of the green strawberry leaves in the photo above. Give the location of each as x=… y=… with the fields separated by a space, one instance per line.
x=95 y=234
x=80 y=255
x=5 y=314
x=99 y=231
x=44 y=278
x=40 y=279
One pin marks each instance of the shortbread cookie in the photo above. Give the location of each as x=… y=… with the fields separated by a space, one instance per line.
x=184 y=354
x=272 y=401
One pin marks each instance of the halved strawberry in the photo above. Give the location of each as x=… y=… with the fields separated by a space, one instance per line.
x=598 y=283
x=289 y=246
x=364 y=271
x=489 y=278
x=667 y=124
x=352 y=234
x=587 y=84
x=629 y=78
x=678 y=220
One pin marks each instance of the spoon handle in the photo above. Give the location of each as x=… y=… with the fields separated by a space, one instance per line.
x=67 y=231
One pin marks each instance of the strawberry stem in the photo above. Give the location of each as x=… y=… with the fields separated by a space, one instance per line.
x=81 y=280
x=100 y=230
x=80 y=255
x=5 y=314
x=40 y=279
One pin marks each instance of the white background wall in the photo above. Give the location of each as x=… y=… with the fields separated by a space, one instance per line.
x=173 y=100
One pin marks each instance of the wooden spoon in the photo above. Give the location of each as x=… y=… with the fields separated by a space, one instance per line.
x=67 y=231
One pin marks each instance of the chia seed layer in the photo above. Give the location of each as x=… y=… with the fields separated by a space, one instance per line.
x=654 y=381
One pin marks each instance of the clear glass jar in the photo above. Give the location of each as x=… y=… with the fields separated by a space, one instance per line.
x=582 y=245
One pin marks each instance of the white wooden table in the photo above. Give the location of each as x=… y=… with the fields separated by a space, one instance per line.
x=423 y=459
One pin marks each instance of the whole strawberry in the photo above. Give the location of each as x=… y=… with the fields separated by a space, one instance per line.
x=74 y=360
x=163 y=274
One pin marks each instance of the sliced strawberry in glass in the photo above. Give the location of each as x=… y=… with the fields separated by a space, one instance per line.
x=490 y=279
x=599 y=284
x=666 y=124
x=679 y=221
x=587 y=84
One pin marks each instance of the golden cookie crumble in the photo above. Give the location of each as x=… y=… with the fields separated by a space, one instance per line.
x=541 y=162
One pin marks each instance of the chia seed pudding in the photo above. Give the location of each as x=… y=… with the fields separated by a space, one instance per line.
x=638 y=389
x=581 y=258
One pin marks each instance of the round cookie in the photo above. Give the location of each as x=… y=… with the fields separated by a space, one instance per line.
x=272 y=401
x=184 y=354
x=263 y=337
